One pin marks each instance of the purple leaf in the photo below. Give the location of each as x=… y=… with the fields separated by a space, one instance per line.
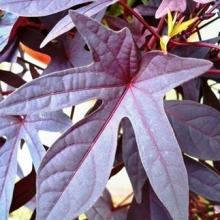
x=203 y=180
x=150 y=8
x=9 y=53
x=79 y=156
x=150 y=207
x=172 y=5
x=135 y=27
x=14 y=129
x=122 y=79
x=66 y=23
x=101 y=210
x=132 y=160
x=200 y=125
x=191 y=89
x=120 y=214
x=38 y=7
x=6 y=23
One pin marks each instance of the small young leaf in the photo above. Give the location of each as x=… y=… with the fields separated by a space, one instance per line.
x=172 y=5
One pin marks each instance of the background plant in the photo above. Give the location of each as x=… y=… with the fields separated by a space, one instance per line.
x=126 y=55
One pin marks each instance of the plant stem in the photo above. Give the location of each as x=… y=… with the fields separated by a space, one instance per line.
x=197 y=44
x=146 y=25
x=213 y=71
x=153 y=39
x=214 y=7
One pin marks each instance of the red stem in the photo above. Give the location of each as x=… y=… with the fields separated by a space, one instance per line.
x=6 y=92
x=214 y=7
x=213 y=71
x=146 y=25
x=153 y=39
x=197 y=44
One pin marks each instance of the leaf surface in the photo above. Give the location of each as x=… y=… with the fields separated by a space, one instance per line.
x=203 y=180
x=101 y=210
x=122 y=79
x=150 y=207
x=38 y=7
x=200 y=124
x=66 y=24
x=132 y=161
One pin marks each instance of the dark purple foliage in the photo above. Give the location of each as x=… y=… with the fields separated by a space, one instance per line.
x=102 y=51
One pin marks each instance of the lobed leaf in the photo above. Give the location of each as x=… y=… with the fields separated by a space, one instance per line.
x=122 y=79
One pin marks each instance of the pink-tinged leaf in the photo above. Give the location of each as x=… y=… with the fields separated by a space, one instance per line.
x=203 y=1
x=6 y=23
x=150 y=207
x=202 y=180
x=101 y=210
x=132 y=160
x=38 y=7
x=122 y=79
x=66 y=23
x=172 y=5
x=200 y=125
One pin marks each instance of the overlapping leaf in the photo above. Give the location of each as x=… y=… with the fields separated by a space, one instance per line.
x=200 y=125
x=38 y=7
x=9 y=52
x=66 y=24
x=203 y=180
x=101 y=210
x=130 y=86
x=135 y=27
x=15 y=128
x=132 y=160
x=150 y=207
